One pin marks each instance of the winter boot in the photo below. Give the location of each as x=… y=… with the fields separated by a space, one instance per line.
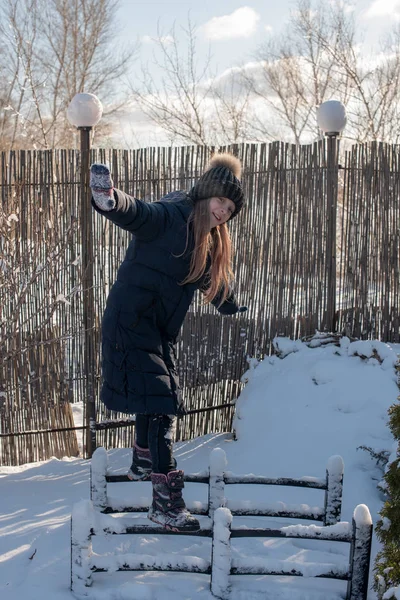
x=141 y=464
x=168 y=508
x=102 y=186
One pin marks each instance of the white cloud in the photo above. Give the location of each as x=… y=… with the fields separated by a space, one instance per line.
x=268 y=28
x=233 y=79
x=241 y=23
x=382 y=8
x=166 y=39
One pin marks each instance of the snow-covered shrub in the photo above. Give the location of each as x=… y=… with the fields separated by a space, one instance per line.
x=387 y=566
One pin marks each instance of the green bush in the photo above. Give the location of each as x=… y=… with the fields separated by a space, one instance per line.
x=387 y=566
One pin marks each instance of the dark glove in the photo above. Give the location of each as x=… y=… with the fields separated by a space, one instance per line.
x=242 y=309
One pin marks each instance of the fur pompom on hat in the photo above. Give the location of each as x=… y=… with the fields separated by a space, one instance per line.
x=221 y=179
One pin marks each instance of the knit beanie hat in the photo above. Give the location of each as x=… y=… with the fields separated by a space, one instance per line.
x=221 y=179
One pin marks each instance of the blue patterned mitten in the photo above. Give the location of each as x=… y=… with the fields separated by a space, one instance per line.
x=102 y=187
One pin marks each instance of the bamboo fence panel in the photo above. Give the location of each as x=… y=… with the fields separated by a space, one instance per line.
x=280 y=267
x=368 y=295
x=35 y=391
x=278 y=271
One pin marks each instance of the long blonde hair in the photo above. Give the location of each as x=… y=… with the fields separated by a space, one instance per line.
x=217 y=245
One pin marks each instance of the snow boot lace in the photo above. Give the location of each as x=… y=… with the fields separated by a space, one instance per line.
x=168 y=508
x=141 y=464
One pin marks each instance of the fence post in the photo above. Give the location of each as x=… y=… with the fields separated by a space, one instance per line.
x=334 y=491
x=216 y=488
x=221 y=553
x=98 y=482
x=81 y=547
x=360 y=554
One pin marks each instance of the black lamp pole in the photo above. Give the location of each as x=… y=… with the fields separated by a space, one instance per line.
x=90 y=366
x=331 y=213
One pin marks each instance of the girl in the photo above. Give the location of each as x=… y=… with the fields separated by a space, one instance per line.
x=180 y=244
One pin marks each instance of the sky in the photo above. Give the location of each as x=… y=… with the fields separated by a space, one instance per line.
x=234 y=28
x=230 y=31
x=297 y=409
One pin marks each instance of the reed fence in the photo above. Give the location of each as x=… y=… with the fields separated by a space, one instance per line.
x=281 y=265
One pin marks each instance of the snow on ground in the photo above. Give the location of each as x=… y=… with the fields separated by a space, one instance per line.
x=294 y=413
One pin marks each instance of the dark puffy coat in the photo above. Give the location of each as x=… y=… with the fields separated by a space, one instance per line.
x=146 y=306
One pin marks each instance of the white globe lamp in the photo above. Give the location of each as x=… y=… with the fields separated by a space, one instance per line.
x=84 y=110
x=331 y=117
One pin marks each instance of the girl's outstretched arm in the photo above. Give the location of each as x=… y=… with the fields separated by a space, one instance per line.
x=146 y=220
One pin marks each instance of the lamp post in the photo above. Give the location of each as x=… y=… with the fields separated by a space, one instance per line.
x=84 y=112
x=331 y=119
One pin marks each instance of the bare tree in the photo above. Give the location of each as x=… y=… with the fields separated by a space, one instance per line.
x=54 y=49
x=189 y=103
x=372 y=85
x=318 y=59
x=178 y=103
x=232 y=109
x=296 y=72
